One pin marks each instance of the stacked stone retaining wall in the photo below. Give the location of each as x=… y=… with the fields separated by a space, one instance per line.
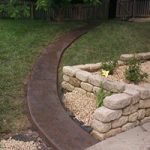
x=127 y=107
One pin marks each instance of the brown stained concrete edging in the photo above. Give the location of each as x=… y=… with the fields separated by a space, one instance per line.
x=44 y=104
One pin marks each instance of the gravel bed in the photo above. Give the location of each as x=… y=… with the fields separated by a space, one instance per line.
x=12 y=144
x=119 y=73
x=26 y=140
x=82 y=105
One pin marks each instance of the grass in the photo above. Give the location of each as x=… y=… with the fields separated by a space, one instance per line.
x=21 y=42
x=108 y=41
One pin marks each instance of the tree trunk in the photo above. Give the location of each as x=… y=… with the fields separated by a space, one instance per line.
x=61 y=13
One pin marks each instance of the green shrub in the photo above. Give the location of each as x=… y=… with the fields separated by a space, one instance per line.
x=15 y=9
x=101 y=96
x=134 y=73
x=109 y=66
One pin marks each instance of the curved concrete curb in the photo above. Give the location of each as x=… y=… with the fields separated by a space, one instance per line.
x=44 y=105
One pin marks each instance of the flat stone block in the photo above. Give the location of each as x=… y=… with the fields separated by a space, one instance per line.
x=113 y=132
x=100 y=127
x=70 y=71
x=143 y=56
x=129 y=126
x=96 y=80
x=79 y=90
x=97 y=135
x=74 y=81
x=134 y=93
x=117 y=101
x=144 y=92
x=86 y=86
x=130 y=109
x=106 y=115
x=96 y=89
x=144 y=103
x=65 y=85
x=114 y=86
x=82 y=75
x=66 y=78
x=126 y=57
x=145 y=120
x=133 y=117
x=147 y=113
x=120 y=122
x=141 y=114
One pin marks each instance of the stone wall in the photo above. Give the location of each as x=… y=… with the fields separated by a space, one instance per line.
x=127 y=107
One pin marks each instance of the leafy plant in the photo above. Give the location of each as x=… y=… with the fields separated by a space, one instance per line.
x=109 y=66
x=133 y=72
x=101 y=96
x=15 y=9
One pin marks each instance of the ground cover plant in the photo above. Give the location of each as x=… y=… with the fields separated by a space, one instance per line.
x=21 y=42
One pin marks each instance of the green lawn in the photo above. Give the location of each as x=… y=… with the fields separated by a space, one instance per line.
x=108 y=41
x=21 y=42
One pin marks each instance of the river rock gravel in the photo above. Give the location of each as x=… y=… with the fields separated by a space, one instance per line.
x=82 y=105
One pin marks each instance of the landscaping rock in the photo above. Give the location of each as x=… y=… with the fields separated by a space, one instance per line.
x=66 y=78
x=86 y=86
x=126 y=57
x=101 y=127
x=82 y=75
x=129 y=126
x=74 y=81
x=145 y=120
x=143 y=56
x=96 y=80
x=96 y=89
x=114 y=86
x=130 y=109
x=144 y=103
x=147 y=113
x=91 y=95
x=133 y=117
x=97 y=135
x=113 y=132
x=117 y=101
x=106 y=115
x=120 y=122
x=92 y=67
x=79 y=91
x=144 y=92
x=67 y=86
x=141 y=114
x=134 y=93
x=70 y=71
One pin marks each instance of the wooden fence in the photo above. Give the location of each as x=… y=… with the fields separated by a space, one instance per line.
x=72 y=12
x=133 y=8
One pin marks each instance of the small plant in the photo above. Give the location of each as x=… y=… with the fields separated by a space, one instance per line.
x=134 y=73
x=101 y=96
x=109 y=66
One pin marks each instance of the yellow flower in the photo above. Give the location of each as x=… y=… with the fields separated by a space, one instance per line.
x=105 y=73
